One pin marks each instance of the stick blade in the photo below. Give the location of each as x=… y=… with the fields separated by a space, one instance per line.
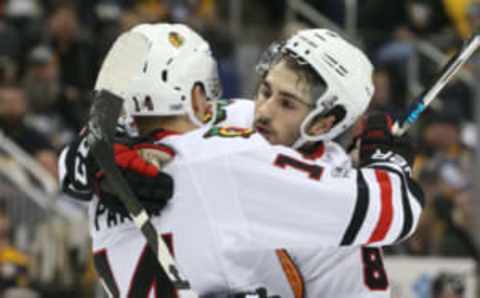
x=125 y=59
x=105 y=110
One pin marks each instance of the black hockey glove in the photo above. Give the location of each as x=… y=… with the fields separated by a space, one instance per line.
x=140 y=164
x=153 y=192
x=258 y=293
x=378 y=144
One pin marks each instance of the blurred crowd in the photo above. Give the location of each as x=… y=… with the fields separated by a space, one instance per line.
x=51 y=50
x=445 y=138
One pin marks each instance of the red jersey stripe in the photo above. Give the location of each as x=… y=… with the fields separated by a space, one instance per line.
x=386 y=207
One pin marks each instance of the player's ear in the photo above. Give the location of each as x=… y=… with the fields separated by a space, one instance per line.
x=321 y=125
x=199 y=101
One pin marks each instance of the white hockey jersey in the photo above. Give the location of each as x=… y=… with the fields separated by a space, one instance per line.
x=237 y=199
x=344 y=272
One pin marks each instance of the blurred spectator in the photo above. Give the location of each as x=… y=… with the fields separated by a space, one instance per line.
x=445 y=168
x=108 y=17
x=20 y=293
x=426 y=17
x=49 y=111
x=41 y=81
x=26 y=16
x=378 y=19
x=57 y=265
x=441 y=146
x=447 y=286
x=129 y=19
x=473 y=18
x=74 y=50
x=19 y=9
x=13 y=264
x=8 y=70
x=10 y=41
x=441 y=134
x=459 y=12
x=458 y=100
x=152 y=11
x=13 y=109
x=389 y=93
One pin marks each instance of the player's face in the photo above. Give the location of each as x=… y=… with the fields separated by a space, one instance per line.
x=282 y=102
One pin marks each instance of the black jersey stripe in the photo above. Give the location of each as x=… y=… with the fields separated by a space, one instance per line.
x=359 y=213
x=102 y=266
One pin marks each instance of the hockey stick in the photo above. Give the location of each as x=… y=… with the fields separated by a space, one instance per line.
x=124 y=60
x=448 y=71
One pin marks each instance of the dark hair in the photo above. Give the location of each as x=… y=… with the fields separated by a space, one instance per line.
x=305 y=73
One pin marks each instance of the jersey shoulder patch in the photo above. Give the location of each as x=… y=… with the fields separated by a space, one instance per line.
x=221 y=113
x=228 y=132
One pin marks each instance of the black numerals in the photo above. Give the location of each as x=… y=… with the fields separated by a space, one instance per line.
x=374 y=273
x=314 y=171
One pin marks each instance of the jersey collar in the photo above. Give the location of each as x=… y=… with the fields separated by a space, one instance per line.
x=313 y=151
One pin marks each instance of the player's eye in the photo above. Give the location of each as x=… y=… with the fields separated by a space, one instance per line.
x=287 y=103
x=264 y=91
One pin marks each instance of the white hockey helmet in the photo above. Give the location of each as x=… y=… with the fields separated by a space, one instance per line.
x=177 y=59
x=346 y=71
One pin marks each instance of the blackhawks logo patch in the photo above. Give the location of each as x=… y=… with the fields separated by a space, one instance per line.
x=176 y=39
x=221 y=114
x=229 y=132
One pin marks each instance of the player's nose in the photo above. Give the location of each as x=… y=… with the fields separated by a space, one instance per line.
x=266 y=108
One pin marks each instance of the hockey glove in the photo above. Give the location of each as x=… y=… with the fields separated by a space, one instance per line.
x=140 y=164
x=378 y=144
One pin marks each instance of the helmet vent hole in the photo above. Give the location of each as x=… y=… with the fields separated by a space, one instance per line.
x=307 y=52
x=177 y=88
x=145 y=67
x=342 y=70
x=295 y=44
x=320 y=37
x=331 y=59
x=183 y=97
x=169 y=61
x=333 y=63
x=164 y=76
x=332 y=34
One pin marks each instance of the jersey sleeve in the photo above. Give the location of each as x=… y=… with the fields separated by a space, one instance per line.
x=289 y=201
x=73 y=171
x=75 y=162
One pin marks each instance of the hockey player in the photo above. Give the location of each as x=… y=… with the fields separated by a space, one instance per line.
x=338 y=272
x=234 y=220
